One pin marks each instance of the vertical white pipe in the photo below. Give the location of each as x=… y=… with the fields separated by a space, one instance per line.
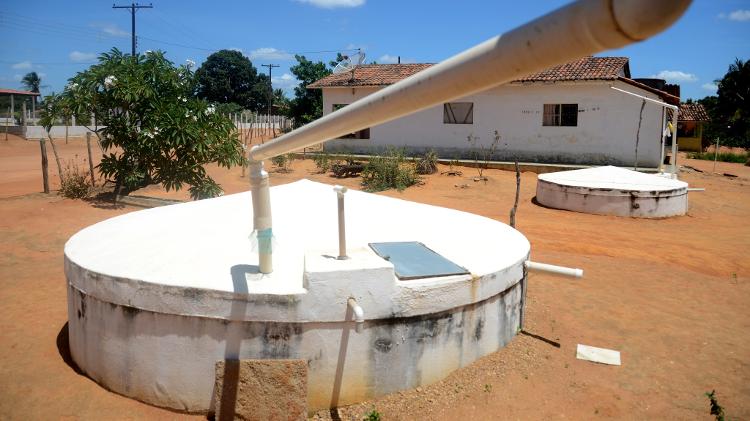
x=340 y=190
x=262 y=223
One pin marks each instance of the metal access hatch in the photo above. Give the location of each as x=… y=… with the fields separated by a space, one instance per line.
x=414 y=260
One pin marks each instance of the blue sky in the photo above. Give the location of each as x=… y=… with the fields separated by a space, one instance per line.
x=59 y=38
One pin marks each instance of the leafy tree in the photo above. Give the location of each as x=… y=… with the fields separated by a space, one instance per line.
x=730 y=111
x=228 y=76
x=307 y=104
x=154 y=129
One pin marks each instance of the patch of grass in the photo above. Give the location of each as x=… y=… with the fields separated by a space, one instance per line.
x=75 y=183
x=723 y=156
x=373 y=415
x=716 y=409
x=389 y=171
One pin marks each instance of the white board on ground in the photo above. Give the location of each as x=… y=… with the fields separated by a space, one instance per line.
x=598 y=355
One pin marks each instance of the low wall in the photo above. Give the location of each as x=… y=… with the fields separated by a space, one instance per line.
x=37 y=132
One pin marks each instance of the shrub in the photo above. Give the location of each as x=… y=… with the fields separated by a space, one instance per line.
x=427 y=164
x=373 y=415
x=282 y=162
x=75 y=183
x=389 y=171
x=322 y=162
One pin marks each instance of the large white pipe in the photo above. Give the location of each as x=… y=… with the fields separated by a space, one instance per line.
x=573 y=31
x=576 y=30
x=557 y=270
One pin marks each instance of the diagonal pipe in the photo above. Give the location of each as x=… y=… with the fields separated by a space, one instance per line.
x=581 y=28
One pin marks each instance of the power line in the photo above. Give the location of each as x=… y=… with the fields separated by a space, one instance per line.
x=133 y=8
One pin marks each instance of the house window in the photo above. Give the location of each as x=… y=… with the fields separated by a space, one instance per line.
x=458 y=113
x=560 y=115
x=362 y=134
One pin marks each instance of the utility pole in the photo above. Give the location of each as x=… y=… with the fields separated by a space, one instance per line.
x=133 y=8
x=270 y=90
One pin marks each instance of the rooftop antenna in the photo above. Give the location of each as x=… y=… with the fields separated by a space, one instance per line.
x=350 y=63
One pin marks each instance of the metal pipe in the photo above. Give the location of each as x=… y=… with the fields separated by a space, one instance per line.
x=340 y=190
x=579 y=29
x=359 y=314
x=557 y=270
x=262 y=223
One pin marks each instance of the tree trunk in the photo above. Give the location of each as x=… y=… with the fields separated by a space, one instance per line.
x=57 y=158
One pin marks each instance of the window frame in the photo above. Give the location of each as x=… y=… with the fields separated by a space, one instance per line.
x=450 y=117
x=556 y=115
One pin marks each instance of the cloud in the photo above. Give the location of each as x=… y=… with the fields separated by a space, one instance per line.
x=737 y=15
x=268 y=53
x=387 y=59
x=78 y=56
x=711 y=87
x=333 y=4
x=675 y=76
x=111 y=29
x=285 y=82
x=24 y=65
x=238 y=49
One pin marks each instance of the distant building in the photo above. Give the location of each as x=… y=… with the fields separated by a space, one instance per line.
x=690 y=121
x=566 y=114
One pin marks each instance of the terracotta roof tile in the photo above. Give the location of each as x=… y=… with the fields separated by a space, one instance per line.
x=692 y=112
x=586 y=68
x=4 y=91
x=371 y=75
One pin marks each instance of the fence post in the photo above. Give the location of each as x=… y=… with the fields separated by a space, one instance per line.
x=45 y=176
x=91 y=162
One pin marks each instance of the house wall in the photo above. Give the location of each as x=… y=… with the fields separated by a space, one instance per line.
x=606 y=131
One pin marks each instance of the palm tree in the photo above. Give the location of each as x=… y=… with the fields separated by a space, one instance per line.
x=32 y=82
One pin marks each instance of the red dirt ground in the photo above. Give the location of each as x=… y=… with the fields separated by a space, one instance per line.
x=672 y=295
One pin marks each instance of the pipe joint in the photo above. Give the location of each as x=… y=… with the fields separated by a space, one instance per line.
x=359 y=314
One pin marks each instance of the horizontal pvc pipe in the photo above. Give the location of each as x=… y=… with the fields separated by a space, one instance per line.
x=573 y=31
x=696 y=189
x=557 y=270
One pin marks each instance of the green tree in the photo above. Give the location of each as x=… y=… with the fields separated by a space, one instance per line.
x=307 y=104
x=153 y=128
x=730 y=112
x=228 y=76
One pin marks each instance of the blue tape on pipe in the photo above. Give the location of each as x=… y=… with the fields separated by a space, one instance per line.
x=265 y=238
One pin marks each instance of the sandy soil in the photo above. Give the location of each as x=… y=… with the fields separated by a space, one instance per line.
x=672 y=295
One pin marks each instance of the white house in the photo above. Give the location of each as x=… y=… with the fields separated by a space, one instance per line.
x=566 y=114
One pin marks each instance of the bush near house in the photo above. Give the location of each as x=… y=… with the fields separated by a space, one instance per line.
x=389 y=171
